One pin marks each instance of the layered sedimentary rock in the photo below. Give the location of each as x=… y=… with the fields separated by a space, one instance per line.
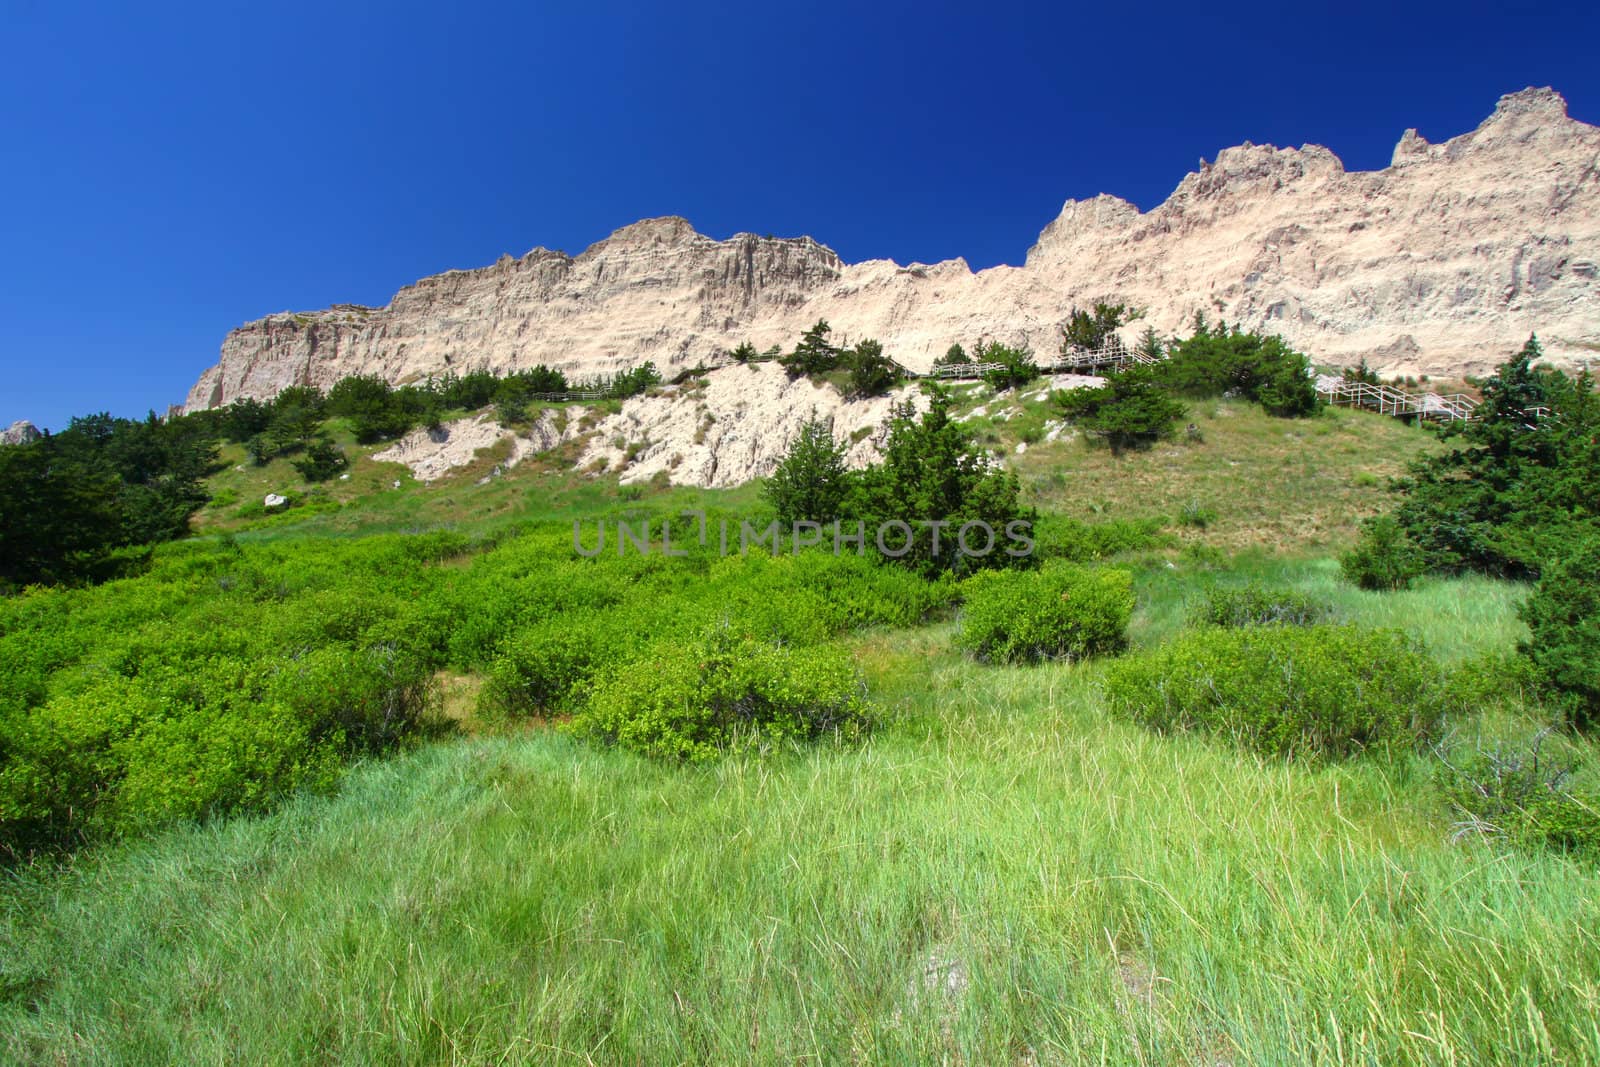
x=1440 y=263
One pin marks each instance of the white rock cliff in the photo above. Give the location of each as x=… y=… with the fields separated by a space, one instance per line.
x=1441 y=263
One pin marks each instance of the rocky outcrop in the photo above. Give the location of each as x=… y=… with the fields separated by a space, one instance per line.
x=1440 y=263
x=21 y=432
x=726 y=429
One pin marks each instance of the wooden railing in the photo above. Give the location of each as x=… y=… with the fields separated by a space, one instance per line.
x=1114 y=355
x=1387 y=400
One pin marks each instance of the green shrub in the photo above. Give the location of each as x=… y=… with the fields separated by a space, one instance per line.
x=367 y=698
x=1315 y=690
x=1131 y=410
x=871 y=372
x=1502 y=680
x=1517 y=490
x=217 y=761
x=1083 y=542
x=1260 y=368
x=223 y=678
x=810 y=597
x=1384 y=558
x=1093 y=328
x=196 y=736
x=933 y=471
x=691 y=700
x=1196 y=515
x=1517 y=790
x=1016 y=368
x=1057 y=612
x=322 y=460
x=1256 y=605
x=1563 y=617
x=539 y=669
x=811 y=482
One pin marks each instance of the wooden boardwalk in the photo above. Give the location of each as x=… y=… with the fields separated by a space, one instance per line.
x=1387 y=400
x=1114 y=355
x=1111 y=356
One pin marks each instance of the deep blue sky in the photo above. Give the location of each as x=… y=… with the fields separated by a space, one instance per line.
x=170 y=171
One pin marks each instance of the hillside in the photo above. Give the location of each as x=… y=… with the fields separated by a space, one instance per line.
x=1253 y=481
x=412 y=764
x=1439 y=263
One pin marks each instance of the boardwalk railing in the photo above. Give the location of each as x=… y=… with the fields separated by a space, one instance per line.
x=1113 y=355
x=1387 y=400
x=571 y=394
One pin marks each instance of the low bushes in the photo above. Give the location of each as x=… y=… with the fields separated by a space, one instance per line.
x=215 y=683
x=540 y=666
x=1384 y=559
x=690 y=700
x=1315 y=690
x=1057 y=612
x=1256 y=605
x=1058 y=537
x=1530 y=791
x=197 y=738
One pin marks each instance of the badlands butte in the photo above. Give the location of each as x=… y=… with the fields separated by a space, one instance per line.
x=1439 y=264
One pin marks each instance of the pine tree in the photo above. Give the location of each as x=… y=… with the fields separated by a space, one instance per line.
x=1131 y=410
x=871 y=372
x=814 y=355
x=1090 y=329
x=811 y=482
x=934 y=472
x=1150 y=346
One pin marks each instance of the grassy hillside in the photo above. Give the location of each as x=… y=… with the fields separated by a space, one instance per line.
x=1001 y=873
x=1242 y=479
x=1246 y=481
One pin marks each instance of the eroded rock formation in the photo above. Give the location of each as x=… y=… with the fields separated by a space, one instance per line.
x=1440 y=263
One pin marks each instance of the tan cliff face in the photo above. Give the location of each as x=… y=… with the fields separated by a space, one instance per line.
x=1441 y=263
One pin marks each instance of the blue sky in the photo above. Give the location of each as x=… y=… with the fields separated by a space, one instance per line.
x=170 y=171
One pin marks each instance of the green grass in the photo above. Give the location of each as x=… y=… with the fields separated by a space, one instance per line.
x=1456 y=618
x=533 y=492
x=1001 y=875
x=1298 y=485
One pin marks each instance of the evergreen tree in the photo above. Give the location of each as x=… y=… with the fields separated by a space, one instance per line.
x=1362 y=373
x=1518 y=491
x=1091 y=329
x=1563 y=617
x=1131 y=410
x=933 y=472
x=59 y=516
x=1016 y=365
x=811 y=482
x=322 y=460
x=376 y=411
x=814 y=355
x=1257 y=367
x=871 y=372
x=1150 y=346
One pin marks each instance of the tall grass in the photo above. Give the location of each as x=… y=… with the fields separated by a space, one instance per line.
x=1002 y=876
x=1455 y=617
